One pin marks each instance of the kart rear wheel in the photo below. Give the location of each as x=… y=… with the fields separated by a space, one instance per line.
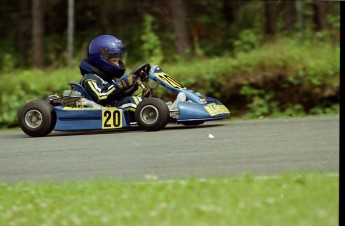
x=152 y=114
x=37 y=118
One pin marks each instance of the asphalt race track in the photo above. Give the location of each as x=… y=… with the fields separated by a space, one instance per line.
x=221 y=148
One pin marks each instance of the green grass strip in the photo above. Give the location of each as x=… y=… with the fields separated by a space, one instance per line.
x=293 y=199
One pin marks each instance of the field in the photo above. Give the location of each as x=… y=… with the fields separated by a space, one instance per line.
x=287 y=199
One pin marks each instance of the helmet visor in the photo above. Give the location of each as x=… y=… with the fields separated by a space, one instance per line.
x=116 y=59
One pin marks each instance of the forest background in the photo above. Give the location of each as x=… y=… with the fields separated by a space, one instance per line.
x=260 y=58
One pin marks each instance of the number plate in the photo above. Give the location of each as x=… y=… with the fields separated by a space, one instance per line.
x=215 y=109
x=111 y=118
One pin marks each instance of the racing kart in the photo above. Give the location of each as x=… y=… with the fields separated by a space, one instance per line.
x=76 y=111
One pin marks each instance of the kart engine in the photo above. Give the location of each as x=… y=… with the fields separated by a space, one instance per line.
x=71 y=98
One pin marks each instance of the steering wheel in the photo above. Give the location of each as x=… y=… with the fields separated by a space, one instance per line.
x=138 y=71
x=142 y=71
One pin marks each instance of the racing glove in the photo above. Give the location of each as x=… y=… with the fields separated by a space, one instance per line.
x=126 y=82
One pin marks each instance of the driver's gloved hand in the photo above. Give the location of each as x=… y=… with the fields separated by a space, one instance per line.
x=126 y=82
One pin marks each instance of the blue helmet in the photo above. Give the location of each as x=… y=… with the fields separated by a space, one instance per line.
x=108 y=54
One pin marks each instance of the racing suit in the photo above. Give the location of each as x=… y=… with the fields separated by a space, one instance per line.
x=108 y=93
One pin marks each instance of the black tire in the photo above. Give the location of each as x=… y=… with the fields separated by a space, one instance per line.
x=37 y=118
x=152 y=114
x=192 y=123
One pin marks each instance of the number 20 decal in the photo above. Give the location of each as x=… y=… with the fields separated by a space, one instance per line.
x=111 y=118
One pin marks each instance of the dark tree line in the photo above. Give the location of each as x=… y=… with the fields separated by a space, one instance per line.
x=34 y=32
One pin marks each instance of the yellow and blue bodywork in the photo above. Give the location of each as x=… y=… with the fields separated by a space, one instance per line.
x=196 y=108
x=211 y=110
x=72 y=119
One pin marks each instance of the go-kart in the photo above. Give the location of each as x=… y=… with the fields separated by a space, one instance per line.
x=76 y=111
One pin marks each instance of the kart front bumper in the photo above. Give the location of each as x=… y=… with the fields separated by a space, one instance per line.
x=212 y=110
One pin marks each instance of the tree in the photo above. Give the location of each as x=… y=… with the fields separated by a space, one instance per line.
x=24 y=25
x=179 y=23
x=270 y=26
x=229 y=10
x=319 y=15
x=289 y=15
x=37 y=33
x=205 y=26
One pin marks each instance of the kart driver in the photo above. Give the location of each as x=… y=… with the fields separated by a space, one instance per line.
x=106 y=62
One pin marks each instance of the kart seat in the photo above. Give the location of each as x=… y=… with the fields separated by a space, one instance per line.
x=77 y=87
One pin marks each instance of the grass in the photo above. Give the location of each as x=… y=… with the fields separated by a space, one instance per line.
x=289 y=199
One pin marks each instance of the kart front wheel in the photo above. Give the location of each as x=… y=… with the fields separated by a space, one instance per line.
x=37 y=118
x=152 y=114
